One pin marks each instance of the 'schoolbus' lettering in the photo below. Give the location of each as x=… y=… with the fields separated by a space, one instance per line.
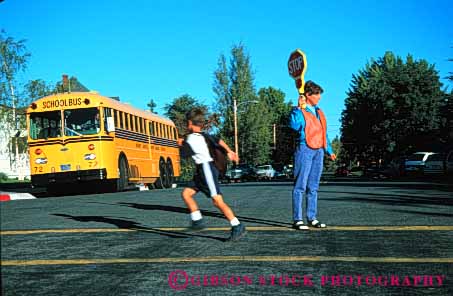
x=61 y=103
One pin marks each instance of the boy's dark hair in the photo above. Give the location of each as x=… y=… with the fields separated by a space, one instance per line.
x=197 y=116
x=312 y=88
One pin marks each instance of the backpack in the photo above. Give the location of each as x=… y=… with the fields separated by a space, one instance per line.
x=218 y=154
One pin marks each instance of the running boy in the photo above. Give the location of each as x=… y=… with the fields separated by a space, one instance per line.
x=206 y=174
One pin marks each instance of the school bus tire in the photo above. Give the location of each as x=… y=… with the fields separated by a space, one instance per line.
x=161 y=182
x=123 y=178
x=170 y=174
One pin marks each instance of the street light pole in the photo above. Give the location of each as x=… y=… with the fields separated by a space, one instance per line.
x=235 y=109
x=235 y=114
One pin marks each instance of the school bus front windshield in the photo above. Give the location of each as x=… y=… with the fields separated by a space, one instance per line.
x=44 y=125
x=79 y=122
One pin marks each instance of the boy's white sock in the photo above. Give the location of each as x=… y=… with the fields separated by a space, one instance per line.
x=195 y=216
x=235 y=222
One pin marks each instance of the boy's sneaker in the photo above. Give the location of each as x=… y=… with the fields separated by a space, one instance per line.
x=198 y=225
x=237 y=232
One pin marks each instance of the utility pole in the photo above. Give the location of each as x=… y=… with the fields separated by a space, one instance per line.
x=235 y=115
x=235 y=109
x=275 y=135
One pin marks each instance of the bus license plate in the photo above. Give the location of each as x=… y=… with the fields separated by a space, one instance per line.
x=65 y=167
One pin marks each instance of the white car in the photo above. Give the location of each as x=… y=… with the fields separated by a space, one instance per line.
x=265 y=172
x=435 y=164
x=416 y=162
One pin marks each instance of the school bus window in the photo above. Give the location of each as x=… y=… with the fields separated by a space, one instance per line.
x=107 y=114
x=161 y=132
x=156 y=129
x=137 y=128
x=170 y=133
x=45 y=125
x=175 y=135
x=121 y=119
x=115 y=117
x=151 y=128
x=166 y=132
x=142 y=126
x=126 y=121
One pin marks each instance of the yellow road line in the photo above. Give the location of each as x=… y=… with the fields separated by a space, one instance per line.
x=227 y=259
x=249 y=228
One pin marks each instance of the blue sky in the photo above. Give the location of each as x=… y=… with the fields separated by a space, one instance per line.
x=163 y=49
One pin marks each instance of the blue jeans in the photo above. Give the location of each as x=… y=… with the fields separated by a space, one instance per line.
x=308 y=165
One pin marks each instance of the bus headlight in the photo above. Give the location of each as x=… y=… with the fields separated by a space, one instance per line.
x=41 y=160
x=90 y=156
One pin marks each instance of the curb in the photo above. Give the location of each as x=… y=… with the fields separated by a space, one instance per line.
x=7 y=196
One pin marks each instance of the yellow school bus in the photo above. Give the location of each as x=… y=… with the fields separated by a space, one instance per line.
x=83 y=136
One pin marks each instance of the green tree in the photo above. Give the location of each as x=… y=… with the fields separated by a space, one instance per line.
x=36 y=89
x=254 y=121
x=177 y=110
x=391 y=109
x=13 y=59
x=331 y=166
x=279 y=112
x=221 y=88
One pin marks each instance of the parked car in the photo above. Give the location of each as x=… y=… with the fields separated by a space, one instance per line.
x=265 y=172
x=240 y=173
x=379 y=171
x=415 y=163
x=356 y=172
x=435 y=164
x=342 y=171
x=288 y=171
x=397 y=166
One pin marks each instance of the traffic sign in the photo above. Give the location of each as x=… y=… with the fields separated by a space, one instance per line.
x=297 y=65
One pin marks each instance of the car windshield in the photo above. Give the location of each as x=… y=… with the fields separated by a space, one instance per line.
x=436 y=157
x=416 y=157
x=45 y=125
x=79 y=122
x=264 y=167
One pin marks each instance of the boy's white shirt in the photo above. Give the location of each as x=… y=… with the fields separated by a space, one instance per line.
x=199 y=147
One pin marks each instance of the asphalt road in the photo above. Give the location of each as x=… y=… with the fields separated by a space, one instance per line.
x=383 y=238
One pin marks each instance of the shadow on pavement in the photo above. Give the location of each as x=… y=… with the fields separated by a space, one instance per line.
x=204 y=212
x=400 y=185
x=393 y=199
x=132 y=225
x=424 y=213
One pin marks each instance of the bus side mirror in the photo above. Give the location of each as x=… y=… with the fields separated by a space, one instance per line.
x=110 y=125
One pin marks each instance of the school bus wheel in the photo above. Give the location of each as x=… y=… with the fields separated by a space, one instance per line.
x=123 y=178
x=170 y=174
x=162 y=181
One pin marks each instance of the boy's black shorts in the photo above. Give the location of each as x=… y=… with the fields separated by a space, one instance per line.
x=206 y=179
